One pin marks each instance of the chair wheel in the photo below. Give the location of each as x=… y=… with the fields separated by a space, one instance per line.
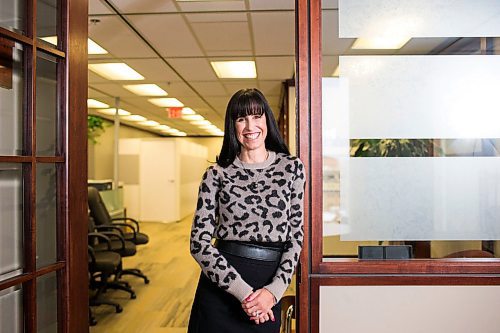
x=92 y=322
x=146 y=281
x=118 y=309
x=133 y=296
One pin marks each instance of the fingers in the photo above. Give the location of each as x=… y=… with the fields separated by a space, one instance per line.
x=252 y=296
x=271 y=315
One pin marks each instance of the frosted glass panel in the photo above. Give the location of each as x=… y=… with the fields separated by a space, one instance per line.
x=11 y=310
x=441 y=198
x=421 y=18
x=46 y=303
x=422 y=96
x=46 y=217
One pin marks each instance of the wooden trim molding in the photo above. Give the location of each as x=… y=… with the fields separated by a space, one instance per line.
x=75 y=280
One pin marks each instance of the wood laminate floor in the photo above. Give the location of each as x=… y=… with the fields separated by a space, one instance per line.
x=164 y=304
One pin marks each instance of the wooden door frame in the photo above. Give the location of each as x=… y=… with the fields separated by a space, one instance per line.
x=312 y=271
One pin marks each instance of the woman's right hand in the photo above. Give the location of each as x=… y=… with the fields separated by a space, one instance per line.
x=261 y=319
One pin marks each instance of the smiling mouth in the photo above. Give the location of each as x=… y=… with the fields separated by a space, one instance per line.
x=251 y=136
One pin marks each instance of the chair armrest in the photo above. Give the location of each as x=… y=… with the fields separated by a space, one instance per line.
x=109 y=227
x=111 y=234
x=126 y=225
x=91 y=253
x=127 y=219
x=101 y=236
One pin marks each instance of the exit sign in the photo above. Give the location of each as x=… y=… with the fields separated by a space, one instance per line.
x=174 y=112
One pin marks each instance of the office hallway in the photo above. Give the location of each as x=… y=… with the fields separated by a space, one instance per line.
x=162 y=306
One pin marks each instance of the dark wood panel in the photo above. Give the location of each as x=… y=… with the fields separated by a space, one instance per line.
x=303 y=134
x=16 y=37
x=50 y=50
x=16 y=159
x=416 y=266
x=75 y=280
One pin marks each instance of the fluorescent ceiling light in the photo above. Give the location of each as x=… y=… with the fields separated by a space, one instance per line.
x=163 y=128
x=134 y=117
x=166 y=102
x=201 y=122
x=208 y=127
x=93 y=47
x=234 y=69
x=180 y=134
x=112 y=112
x=380 y=43
x=95 y=104
x=193 y=117
x=150 y=123
x=173 y=130
x=115 y=71
x=146 y=89
x=188 y=111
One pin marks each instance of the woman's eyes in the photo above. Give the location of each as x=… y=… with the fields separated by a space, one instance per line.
x=239 y=120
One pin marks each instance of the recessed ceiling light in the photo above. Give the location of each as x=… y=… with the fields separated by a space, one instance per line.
x=163 y=128
x=116 y=71
x=95 y=104
x=200 y=122
x=146 y=89
x=188 y=111
x=93 y=47
x=234 y=69
x=112 y=112
x=173 y=130
x=166 y=102
x=380 y=43
x=150 y=123
x=180 y=134
x=134 y=117
x=193 y=117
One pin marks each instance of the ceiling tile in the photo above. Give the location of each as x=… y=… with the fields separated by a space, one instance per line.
x=210 y=88
x=226 y=36
x=168 y=33
x=98 y=7
x=274 y=33
x=275 y=68
x=93 y=78
x=329 y=63
x=275 y=4
x=200 y=6
x=145 y=6
x=233 y=86
x=153 y=69
x=118 y=39
x=194 y=69
x=217 y=17
x=112 y=89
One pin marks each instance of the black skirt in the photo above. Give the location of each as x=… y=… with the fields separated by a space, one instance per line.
x=216 y=311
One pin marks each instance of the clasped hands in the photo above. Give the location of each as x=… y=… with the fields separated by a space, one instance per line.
x=258 y=306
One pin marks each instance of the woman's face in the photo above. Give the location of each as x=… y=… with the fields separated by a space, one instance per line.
x=251 y=131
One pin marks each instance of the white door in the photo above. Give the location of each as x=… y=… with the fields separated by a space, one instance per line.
x=159 y=181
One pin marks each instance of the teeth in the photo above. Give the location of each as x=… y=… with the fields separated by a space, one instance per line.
x=251 y=136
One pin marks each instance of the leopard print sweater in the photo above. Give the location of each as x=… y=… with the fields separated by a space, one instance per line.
x=260 y=202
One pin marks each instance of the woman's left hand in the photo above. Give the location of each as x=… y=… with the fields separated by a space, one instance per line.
x=260 y=301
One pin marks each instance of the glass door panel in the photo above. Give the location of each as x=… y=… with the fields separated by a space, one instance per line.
x=410 y=130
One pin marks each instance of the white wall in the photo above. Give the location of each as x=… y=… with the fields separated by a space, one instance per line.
x=409 y=309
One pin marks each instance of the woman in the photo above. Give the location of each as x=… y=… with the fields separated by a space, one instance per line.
x=251 y=203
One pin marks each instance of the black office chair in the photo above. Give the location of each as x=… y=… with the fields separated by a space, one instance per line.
x=119 y=245
x=102 y=265
x=102 y=218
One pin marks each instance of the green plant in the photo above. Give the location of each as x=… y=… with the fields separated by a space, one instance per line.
x=393 y=148
x=95 y=127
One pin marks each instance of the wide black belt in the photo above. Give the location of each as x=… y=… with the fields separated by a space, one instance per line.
x=249 y=250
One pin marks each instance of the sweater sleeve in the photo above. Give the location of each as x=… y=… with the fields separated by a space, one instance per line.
x=290 y=256
x=212 y=263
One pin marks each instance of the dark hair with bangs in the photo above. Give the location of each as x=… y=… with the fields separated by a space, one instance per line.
x=243 y=103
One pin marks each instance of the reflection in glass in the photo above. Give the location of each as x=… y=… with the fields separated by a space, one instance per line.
x=11 y=216
x=46 y=23
x=12 y=79
x=46 y=303
x=46 y=105
x=13 y=15
x=11 y=308
x=46 y=200
x=410 y=153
